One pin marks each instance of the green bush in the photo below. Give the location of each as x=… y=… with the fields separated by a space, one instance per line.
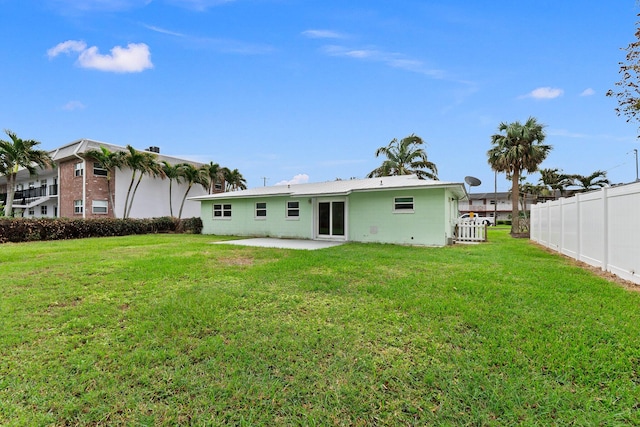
x=32 y=229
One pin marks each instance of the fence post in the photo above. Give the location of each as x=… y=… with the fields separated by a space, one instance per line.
x=605 y=231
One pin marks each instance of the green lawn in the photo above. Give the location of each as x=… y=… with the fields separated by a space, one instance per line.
x=171 y=330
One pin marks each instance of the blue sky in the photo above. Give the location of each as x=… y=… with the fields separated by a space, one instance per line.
x=306 y=90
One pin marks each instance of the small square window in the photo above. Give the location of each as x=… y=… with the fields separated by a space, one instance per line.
x=78 y=169
x=221 y=211
x=293 y=210
x=261 y=210
x=78 y=207
x=100 y=207
x=403 y=204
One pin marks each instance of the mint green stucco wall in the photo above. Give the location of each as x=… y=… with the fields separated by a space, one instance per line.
x=372 y=219
x=369 y=216
x=244 y=223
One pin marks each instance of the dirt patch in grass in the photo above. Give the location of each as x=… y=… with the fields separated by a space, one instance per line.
x=239 y=260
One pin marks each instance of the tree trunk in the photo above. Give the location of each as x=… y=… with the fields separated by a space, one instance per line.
x=515 y=197
x=11 y=189
x=183 y=199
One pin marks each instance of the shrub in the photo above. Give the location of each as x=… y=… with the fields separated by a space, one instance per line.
x=31 y=229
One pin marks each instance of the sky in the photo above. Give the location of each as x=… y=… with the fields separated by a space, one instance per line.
x=294 y=91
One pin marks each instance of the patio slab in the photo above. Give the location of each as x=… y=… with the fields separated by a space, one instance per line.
x=270 y=242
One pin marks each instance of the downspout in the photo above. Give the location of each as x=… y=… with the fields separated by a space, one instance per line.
x=54 y=154
x=84 y=181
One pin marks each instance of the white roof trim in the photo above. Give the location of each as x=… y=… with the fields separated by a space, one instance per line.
x=337 y=188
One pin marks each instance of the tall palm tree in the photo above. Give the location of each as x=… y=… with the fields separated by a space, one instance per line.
x=148 y=165
x=517 y=148
x=216 y=176
x=405 y=157
x=19 y=153
x=109 y=161
x=234 y=180
x=173 y=173
x=596 y=180
x=193 y=175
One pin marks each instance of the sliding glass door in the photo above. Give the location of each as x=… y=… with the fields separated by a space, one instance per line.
x=331 y=219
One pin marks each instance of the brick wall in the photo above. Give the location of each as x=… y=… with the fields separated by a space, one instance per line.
x=71 y=189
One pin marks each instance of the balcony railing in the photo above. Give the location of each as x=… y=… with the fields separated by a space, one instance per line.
x=32 y=193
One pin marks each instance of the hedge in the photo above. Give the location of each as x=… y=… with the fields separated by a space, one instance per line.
x=32 y=229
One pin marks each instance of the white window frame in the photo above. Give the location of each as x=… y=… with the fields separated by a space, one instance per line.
x=98 y=170
x=78 y=207
x=223 y=210
x=78 y=169
x=100 y=207
x=43 y=210
x=289 y=209
x=260 y=211
x=401 y=204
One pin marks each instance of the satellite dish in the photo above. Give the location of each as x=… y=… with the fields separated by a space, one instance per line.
x=472 y=181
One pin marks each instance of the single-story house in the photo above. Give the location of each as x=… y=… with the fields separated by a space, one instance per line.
x=395 y=209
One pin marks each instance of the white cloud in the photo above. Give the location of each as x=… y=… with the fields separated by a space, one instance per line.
x=301 y=178
x=163 y=31
x=131 y=59
x=73 y=105
x=588 y=92
x=67 y=47
x=322 y=34
x=391 y=59
x=544 y=93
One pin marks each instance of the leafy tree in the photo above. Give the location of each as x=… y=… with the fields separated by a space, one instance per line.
x=108 y=160
x=234 y=180
x=19 y=153
x=173 y=173
x=596 y=180
x=192 y=175
x=628 y=88
x=216 y=175
x=517 y=148
x=405 y=157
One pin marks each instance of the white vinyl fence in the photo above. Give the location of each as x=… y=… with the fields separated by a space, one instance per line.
x=600 y=228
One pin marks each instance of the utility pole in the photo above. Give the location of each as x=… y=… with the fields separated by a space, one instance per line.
x=264 y=181
x=635 y=150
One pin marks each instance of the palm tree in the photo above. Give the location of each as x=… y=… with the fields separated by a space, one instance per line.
x=174 y=173
x=19 y=153
x=517 y=148
x=234 y=180
x=193 y=175
x=216 y=176
x=109 y=161
x=141 y=163
x=405 y=157
x=596 y=180
x=555 y=180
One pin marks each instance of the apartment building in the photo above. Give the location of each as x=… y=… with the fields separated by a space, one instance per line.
x=491 y=204
x=77 y=188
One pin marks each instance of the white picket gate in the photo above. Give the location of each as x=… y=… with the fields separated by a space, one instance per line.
x=471 y=232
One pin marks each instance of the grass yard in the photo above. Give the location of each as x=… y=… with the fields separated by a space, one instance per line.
x=171 y=330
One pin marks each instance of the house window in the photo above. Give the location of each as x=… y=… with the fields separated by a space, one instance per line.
x=217 y=186
x=261 y=210
x=293 y=210
x=98 y=170
x=78 y=169
x=32 y=211
x=221 y=211
x=99 y=207
x=43 y=210
x=403 y=204
x=78 y=207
